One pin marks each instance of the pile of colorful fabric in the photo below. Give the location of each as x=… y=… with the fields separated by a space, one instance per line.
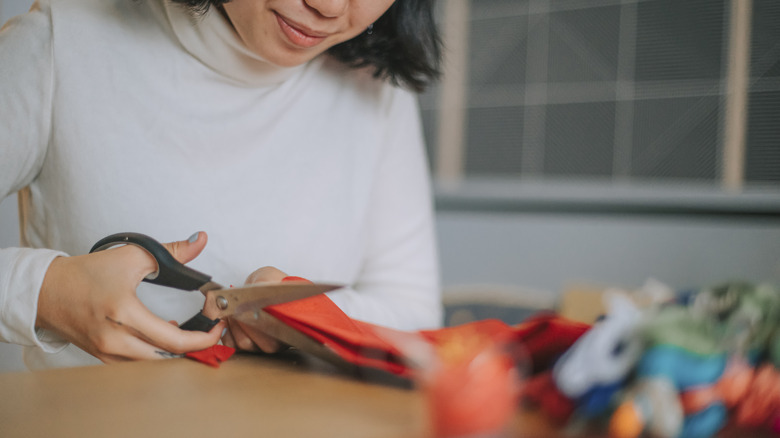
x=688 y=367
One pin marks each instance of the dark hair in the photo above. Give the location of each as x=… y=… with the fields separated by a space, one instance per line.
x=403 y=45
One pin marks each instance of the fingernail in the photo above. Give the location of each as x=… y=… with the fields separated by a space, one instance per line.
x=194 y=237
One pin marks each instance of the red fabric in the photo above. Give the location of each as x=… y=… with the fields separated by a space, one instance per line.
x=213 y=355
x=540 y=390
x=546 y=336
x=543 y=337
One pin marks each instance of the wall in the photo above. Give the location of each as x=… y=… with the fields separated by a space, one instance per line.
x=550 y=252
x=10 y=355
x=10 y=8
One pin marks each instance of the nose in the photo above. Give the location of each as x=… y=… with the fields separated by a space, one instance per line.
x=329 y=8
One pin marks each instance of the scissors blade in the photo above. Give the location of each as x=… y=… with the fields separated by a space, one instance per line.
x=237 y=300
x=259 y=324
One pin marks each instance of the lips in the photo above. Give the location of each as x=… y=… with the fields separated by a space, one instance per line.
x=298 y=34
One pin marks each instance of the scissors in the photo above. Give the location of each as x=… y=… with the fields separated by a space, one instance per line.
x=228 y=301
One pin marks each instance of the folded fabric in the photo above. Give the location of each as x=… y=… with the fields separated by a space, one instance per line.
x=543 y=337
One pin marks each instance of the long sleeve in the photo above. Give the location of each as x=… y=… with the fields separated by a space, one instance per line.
x=25 y=120
x=398 y=285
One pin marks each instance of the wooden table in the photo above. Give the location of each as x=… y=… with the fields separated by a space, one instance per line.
x=248 y=396
x=251 y=396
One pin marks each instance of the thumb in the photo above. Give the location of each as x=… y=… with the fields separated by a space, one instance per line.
x=186 y=250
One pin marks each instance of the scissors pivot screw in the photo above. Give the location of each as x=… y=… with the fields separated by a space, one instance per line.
x=222 y=303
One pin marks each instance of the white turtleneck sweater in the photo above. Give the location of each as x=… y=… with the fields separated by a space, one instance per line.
x=121 y=115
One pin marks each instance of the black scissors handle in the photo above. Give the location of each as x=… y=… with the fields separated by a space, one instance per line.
x=169 y=273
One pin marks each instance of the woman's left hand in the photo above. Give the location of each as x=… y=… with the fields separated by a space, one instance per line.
x=244 y=338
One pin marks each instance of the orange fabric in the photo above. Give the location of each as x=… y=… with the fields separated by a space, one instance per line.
x=761 y=405
x=472 y=397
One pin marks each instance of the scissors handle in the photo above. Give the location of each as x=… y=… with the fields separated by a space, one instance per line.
x=169 y=273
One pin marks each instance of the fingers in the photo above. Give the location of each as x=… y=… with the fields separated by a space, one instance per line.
x=266 y=274
x=239 y=339
x=143 y=263
x=247 y=338
x=131 y=348
x=143 y=324
x=119 y=342
x=227 y=338
x=186 y=250
x=137 y=345
x=259 y=338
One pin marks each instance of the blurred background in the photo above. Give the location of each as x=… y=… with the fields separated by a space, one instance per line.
x=586 y=144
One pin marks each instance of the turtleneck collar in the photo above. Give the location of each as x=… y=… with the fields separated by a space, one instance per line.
x=212 y=40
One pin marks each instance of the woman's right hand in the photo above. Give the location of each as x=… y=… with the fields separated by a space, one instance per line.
x=90 y=301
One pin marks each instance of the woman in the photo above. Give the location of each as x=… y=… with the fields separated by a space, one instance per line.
x=274 y=125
